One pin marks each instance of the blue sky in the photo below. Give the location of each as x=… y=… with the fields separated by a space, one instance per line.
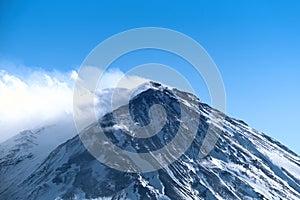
x=255 y=44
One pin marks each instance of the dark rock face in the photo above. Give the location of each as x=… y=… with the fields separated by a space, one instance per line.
x=244 y=164
x=139 y=108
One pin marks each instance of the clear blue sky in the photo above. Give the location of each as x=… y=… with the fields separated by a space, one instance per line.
x=255 y=44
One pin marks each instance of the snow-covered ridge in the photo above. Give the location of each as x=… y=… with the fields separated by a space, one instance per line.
x=244 y=164
x=21 y=154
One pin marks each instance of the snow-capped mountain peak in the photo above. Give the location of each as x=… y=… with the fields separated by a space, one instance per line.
x=244 y=163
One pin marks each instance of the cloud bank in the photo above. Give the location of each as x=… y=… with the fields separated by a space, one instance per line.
x=43 y=98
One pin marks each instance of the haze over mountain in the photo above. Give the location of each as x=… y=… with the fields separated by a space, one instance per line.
x=52 y=162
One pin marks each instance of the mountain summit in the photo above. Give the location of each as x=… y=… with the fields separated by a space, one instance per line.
x=244 y=163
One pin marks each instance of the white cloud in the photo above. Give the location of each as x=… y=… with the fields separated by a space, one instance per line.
x=42 y=97
x=26 y=104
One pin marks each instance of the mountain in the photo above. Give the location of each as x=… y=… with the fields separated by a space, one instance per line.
x=23 y=153
x=244 y=163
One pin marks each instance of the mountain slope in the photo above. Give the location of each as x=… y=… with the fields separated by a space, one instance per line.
x=23 y=153
x=244 y=164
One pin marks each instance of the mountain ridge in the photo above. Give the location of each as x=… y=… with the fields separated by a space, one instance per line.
x=244 y=164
